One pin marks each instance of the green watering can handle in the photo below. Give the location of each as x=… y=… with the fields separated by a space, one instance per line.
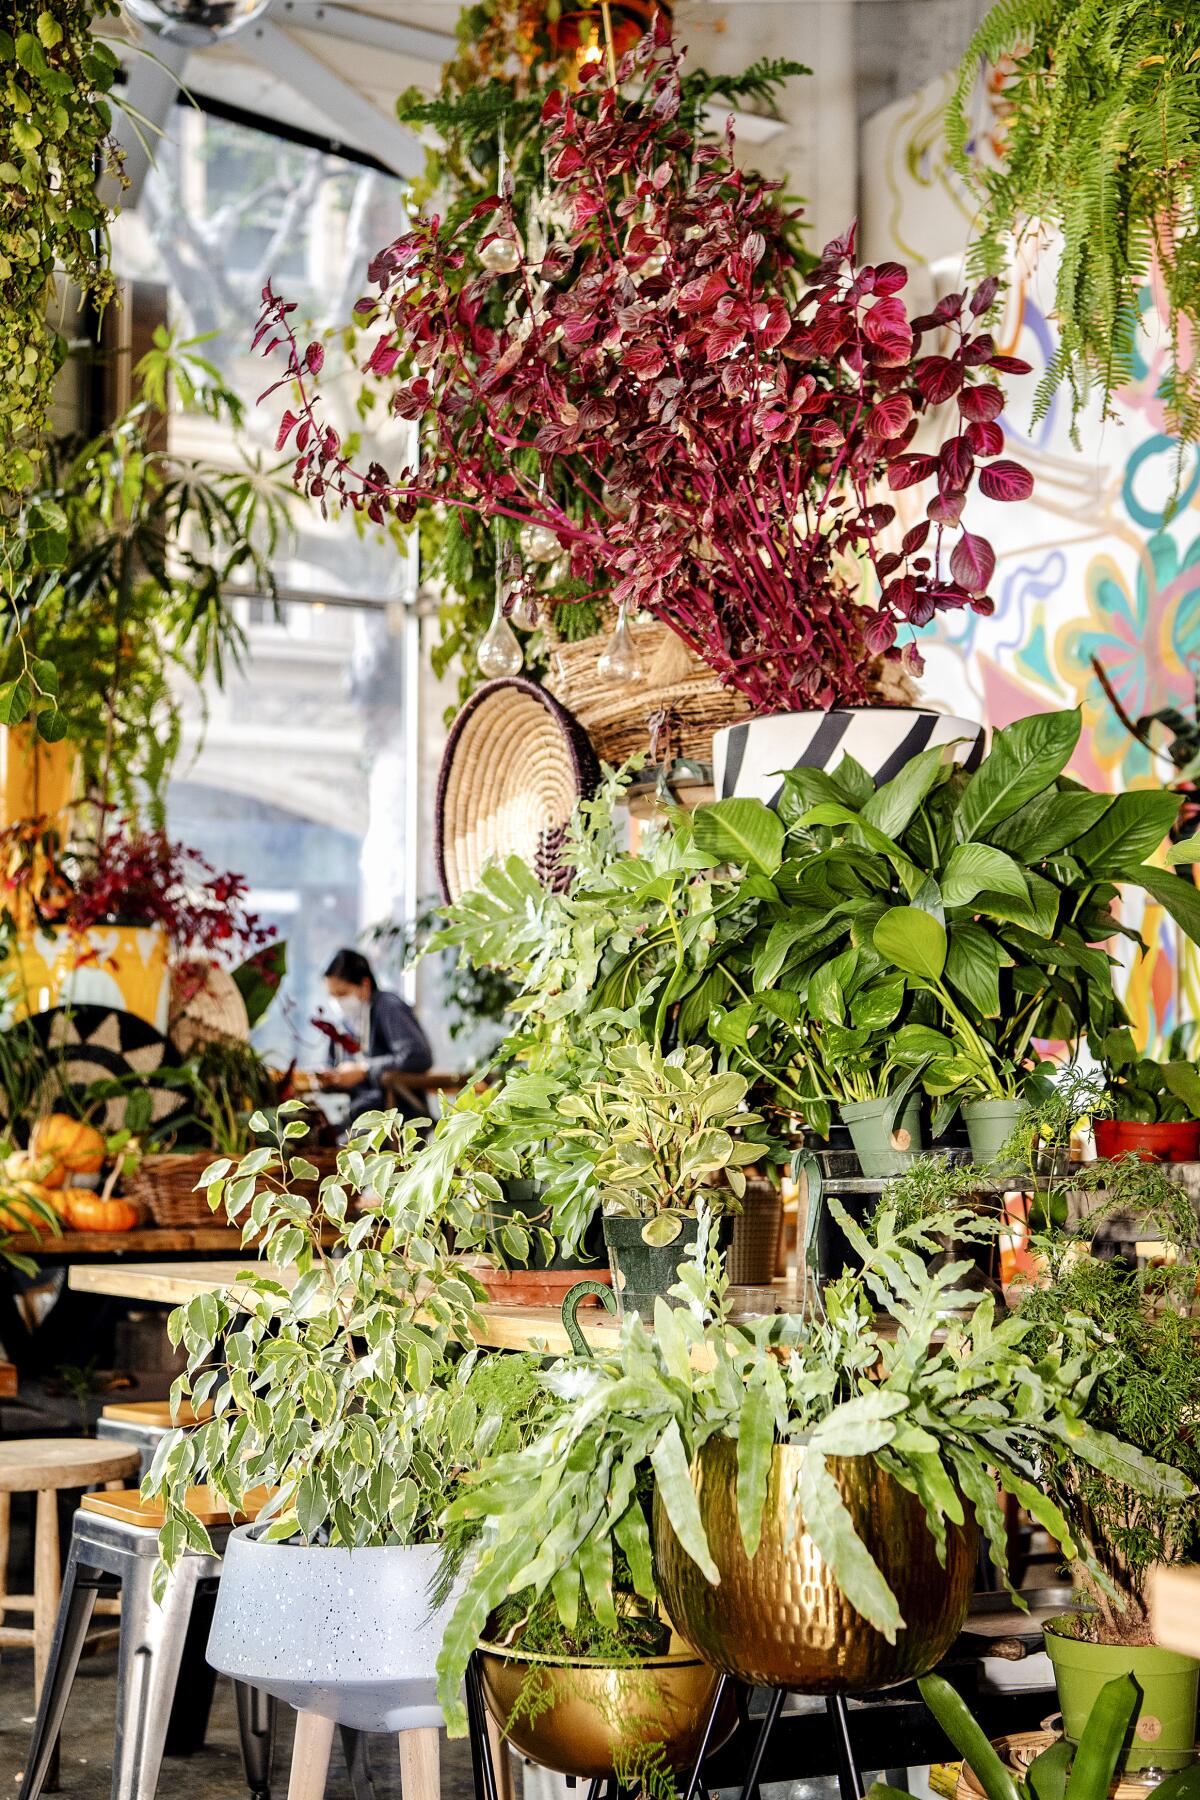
x=570 y=1307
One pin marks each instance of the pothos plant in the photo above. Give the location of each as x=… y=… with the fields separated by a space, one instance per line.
x=953 y=1408
x=488 y=119
x=1099 y=140
x=344 y=1391
x=729 y=442
x=57 y=158
x=124 y=553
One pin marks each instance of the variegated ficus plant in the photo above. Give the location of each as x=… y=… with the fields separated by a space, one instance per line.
x=734 y=426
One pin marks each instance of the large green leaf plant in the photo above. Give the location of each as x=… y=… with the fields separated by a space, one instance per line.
x=951 y=1407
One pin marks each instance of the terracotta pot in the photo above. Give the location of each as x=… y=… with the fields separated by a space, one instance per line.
x=779 y=1619
x=1159 y=1142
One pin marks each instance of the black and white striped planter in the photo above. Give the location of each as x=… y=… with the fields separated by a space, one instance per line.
x=749 y=758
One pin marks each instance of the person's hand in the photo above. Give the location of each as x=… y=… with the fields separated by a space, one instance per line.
x=346 y=1075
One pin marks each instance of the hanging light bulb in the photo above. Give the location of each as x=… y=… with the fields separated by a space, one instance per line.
x=501 y=255
x=524 y=610
x=499 y=651
x=620 y=661
x=538 y=542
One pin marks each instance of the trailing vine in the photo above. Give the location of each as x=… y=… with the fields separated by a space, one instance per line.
x=56 y=149
x=1100 y=141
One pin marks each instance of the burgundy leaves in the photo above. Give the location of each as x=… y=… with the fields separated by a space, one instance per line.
x=734 y=433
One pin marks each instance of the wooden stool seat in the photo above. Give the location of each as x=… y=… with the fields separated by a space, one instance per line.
x=156 y=1413
x=127 y=1505
x=43 y=1466
x=39 y=1465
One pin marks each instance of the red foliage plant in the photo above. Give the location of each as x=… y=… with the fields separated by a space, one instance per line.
x=146 y=879
x=731 y=428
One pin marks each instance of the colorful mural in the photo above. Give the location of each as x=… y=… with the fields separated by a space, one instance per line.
x=1102 y=563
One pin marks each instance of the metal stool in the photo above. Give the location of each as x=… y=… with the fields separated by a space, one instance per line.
x=114 y=1538
x=145 y=1423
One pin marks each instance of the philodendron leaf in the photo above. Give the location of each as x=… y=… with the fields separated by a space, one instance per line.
x=853 y=1567
x=1025 y=758
x=1187 y=852
x=912 y=940
x=1132 y=828
x=1179 y=895
x=968 y=1737
x=740 y=831
x=1182 y=1080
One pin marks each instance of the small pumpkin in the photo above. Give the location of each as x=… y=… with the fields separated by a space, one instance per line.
x=74 y=1146
x=86 y=1211
x=23 y=1166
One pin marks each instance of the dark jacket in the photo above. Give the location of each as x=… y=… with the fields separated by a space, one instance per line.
x=395 y=1044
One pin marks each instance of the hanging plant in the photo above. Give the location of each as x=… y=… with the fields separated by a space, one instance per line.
x=1099 y=142
x=55 y=149
x=488 y=126
x=733 y=441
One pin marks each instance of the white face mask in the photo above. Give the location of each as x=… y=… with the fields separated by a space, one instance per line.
x=356 y=1016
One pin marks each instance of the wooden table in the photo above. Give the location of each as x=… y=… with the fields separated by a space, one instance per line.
x=172 y=1284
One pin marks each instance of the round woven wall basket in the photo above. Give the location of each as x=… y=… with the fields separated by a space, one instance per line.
x=671 y=712
x=515 y=764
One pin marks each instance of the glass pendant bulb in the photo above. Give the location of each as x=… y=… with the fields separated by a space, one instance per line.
x=523 y=612
x=620 y=661
x=499 y=651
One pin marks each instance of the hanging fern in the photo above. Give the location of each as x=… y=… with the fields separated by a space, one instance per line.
x=1100 y=139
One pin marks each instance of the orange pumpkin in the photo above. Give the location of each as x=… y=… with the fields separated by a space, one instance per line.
x=74 y=1146
x=20 y=1209
x=23 y=1166
x=85 y=1211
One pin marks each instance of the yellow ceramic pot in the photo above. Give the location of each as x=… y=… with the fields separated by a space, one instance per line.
x=586 y=1711
x=779 y=1618
x=120 y=966
x=37 y=780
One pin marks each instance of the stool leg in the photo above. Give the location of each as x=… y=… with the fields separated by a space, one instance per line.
x=310 y=1757
x=74 y=1617
x=152 y=1640
x=256 y=1729
x=420 y=1764
x=46 y=1576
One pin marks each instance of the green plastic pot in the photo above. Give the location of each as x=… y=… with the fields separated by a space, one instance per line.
x=1164 y=1727
x=642 y=1272
x=884 y=1146
x=990 y=1124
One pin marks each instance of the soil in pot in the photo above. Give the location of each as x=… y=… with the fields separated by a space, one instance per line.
x=885 y=1140
x=641 y=1271
x=779 y=1619
x=990 y=1125
x=1164 y=1726
x=1161 y=1141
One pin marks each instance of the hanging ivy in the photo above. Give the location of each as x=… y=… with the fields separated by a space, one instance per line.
x=1099 y=139
x=55 y=147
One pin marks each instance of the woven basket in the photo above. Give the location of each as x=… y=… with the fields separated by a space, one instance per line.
x=212 y=1013
x=754 y=1247
x=671 y=712
x=166 y=1183
x=515 y=764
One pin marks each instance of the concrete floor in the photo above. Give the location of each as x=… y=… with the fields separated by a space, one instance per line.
x=214 y=1773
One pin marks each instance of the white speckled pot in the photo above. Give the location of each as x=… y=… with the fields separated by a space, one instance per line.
x=348 y=1634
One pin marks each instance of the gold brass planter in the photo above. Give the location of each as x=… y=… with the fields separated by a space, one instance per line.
x=780 y=1619
x=587 y=1709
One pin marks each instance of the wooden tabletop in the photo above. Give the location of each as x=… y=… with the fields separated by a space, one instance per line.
x=166 y=1240
x=171 y=1284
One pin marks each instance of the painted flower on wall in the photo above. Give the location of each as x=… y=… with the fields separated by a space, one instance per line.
x=1142 y=637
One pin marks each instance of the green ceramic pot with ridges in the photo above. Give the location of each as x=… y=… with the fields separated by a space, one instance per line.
x=1164 y=1727
x=885 y=1138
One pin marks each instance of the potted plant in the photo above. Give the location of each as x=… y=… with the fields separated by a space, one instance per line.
x=731 y=441
x=342 y=1393
x=664 y=1139
x=1144 y=1394
x=1155 y=1106
x=875 y=1512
